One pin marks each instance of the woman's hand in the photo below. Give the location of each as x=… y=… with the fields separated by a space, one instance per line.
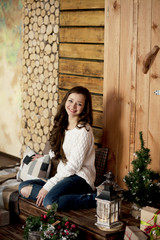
x=36 y=156
x=41 y=195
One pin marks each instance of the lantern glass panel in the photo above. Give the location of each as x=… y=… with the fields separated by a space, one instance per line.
x=114 y=211
x=102 y=212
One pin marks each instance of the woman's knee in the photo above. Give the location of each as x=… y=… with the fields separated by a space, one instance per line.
x=48 y=201
x=26 y=191
x=48 y=207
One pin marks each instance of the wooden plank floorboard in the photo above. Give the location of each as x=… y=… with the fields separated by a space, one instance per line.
x=11 y=232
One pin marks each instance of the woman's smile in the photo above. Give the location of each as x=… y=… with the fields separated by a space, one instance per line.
x=71 y=110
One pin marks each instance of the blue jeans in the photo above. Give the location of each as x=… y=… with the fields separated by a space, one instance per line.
x=70 y=193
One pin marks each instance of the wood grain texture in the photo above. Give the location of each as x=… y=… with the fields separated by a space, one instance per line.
x=154 y=101
x=95 y=85
x=98 y=119
x=143 y=80
x=12 y=232
x=125 y=86
x=82 y=18
x=85 y=51
x=111 y=97
x=81 y=4
x=82 y=34
x=86 y=68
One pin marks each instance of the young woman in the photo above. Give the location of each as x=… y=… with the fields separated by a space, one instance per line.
x=72 y=142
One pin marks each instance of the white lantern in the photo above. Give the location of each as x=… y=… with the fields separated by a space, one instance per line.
x=108 y=207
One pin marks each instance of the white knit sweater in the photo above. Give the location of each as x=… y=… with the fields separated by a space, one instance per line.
x=79 y=150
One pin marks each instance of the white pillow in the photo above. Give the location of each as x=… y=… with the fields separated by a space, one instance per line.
x=37 y=169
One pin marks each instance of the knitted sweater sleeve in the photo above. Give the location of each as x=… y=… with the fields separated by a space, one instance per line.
x=75 y=147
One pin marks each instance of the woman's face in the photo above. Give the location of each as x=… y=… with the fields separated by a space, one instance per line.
x=75 y=104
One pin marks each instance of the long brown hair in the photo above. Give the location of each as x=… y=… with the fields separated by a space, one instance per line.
x=61 y=121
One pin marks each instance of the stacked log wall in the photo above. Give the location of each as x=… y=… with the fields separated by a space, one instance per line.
x=39 y=71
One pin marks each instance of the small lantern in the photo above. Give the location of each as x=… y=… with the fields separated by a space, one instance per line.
x=108 y=207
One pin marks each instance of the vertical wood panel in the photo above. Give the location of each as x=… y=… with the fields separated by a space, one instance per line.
x=142 y=91
x=127 y=83
x=111 y=101
x=130 y=105
x=154 y=106
x=133 y=81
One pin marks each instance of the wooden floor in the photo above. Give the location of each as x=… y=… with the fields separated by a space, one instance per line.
x=12 y=232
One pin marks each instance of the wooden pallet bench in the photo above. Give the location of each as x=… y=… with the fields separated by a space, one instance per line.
x=85 y=219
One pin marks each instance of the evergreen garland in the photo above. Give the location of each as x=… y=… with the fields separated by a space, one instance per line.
x=142 y=182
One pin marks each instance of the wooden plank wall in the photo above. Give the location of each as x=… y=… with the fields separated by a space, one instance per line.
x=130 y=105
x=81 y=52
